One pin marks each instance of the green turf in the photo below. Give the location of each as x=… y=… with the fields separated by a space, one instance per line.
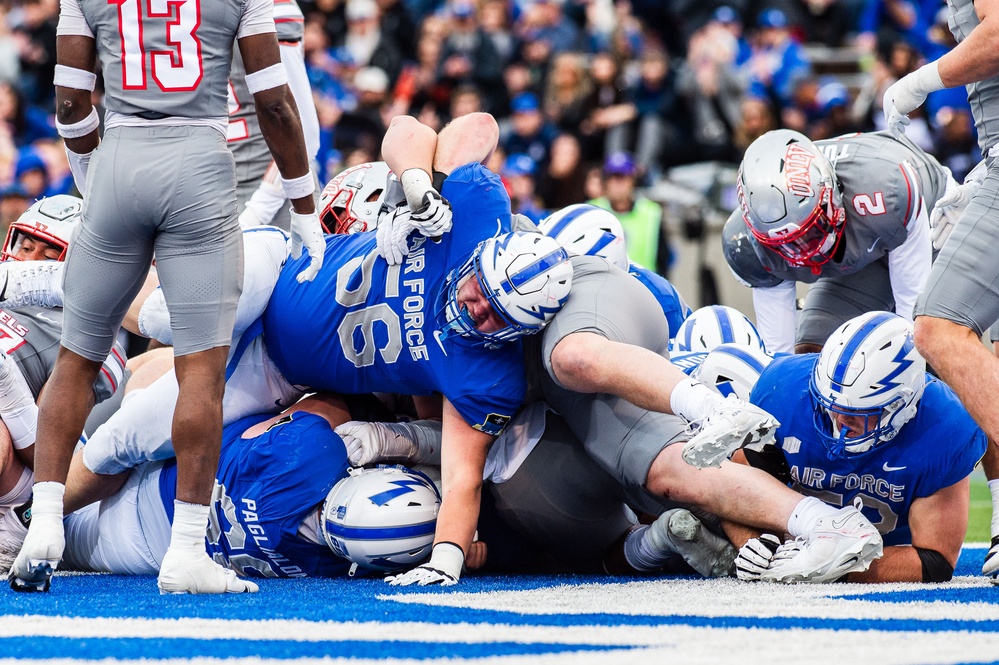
x=980 y=514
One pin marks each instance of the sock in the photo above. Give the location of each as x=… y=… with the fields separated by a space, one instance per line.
x=806 y=514
x=190 y=522
x=47 y=501
x=692 y=401
x=640 y=554
x=994 y=489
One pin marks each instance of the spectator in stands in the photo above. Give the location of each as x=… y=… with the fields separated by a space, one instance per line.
x=544 y=20
x=830 y=22
x=494 y=17
x=563 y=182
x=833 y=118
x=642 y=219
x=397 y=25
x=519 y=173
x=567 y=93
x=777 y=62
x=470 y=56
x=884 y=22
x=608 y=106
x=33 y=25
x=466 y=99
x=364 y=126
x=366 y=42
x=527 y=131
x=727 y=19
x=24 y=122
x=655 y=134
x=757 y=118
x=956 y=144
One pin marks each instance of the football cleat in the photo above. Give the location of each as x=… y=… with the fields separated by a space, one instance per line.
x=991 y=565
x=39 y=556
x=840 y=544
x=679 y=531
x=731 y=425
x=193 y=572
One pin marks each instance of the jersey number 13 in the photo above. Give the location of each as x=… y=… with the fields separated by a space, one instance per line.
x=178 y=67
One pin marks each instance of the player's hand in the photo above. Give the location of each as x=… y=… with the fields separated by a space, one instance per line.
x=444 y=568
x=306 y=231
x=433 y=217
x=897 y=121
x=755 y=557
x=423 y=575
x=948 y=209
x=372 y=442
x=392 y=234
x=907 y=94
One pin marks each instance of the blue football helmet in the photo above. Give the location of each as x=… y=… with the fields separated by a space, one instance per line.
x=526 y=278
x=587 y=230
x=868 y=368
x=732 y=369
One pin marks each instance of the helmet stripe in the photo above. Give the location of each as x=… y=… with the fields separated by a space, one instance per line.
x=744 y=356
x=851 y=346
x=567 y=220
x=543 y=264
x=381 y=533
x=724 y=324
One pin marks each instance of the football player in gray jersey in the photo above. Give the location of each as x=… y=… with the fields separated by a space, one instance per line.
x=961 y=297
x=259 y=195
x=162 y=179
x=847 y=215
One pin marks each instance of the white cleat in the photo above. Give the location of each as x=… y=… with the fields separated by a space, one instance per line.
x=991 y=566
x=842 y=543
x=731 y=425
x=12 y=533
x=193 y=572
x=39 y=556
x=679 y=531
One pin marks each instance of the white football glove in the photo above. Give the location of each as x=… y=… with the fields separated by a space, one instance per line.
x=433 y=216
x=949 y=207
x=306 y=231
x=371 y=442
x=907 y=94
x=755 y=556
x=392 y=234
x=444 y=568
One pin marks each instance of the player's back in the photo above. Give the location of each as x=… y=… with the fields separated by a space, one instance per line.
x=165 y=58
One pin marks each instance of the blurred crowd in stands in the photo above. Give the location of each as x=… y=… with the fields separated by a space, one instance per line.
x=594 y=97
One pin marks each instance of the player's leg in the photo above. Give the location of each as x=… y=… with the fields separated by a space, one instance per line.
x=105 y=268
x=990 y=465
x=832 y=301
x=199 y=255
x=467 y=139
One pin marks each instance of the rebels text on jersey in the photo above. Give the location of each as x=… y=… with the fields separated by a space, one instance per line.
x=364 y=326
x=938 y=447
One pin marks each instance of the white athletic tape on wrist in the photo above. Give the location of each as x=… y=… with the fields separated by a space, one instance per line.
x=448 y=558
x=297 y=188
x=77 y=129
x=72 y=77
x=267 y=78
x=415 y=183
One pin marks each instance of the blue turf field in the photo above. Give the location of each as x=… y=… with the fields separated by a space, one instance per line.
x=508 y=620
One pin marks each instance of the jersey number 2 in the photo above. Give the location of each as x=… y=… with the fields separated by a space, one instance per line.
x=867 y=205
x=175 y=69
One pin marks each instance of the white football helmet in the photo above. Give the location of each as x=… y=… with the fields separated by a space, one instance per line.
x=790 y=198
x=51 y=220
x=732 y=369
x=352 y=201
x=708 y=327
x=869 y=367
x=382 y=518
x=587 y=230
x=526 y=278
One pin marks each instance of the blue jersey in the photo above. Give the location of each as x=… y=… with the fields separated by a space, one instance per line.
x=938 y=447
x=266 y=486
x=675 y=309
x=364 y=326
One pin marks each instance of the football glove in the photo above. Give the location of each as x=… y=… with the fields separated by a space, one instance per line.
x=907 y=94
x=371 y=442
x=392 y=234
x=444 y=568
x=949 y=207
x=755 y=557
x=433 y=216
x=306 y=231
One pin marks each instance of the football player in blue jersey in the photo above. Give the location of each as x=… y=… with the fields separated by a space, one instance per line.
x=863 y=424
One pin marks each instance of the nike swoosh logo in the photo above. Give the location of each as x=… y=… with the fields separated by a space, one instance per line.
x=838 y=524
x=892 y=468
x=873 y=245
x=437 y=336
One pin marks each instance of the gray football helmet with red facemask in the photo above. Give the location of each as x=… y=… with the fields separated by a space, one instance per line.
x=51 y=220
x=790 y=198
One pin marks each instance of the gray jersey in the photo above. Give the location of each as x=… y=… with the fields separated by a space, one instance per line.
x=983 y=95
x=174 y=63
x=883 y=181
x=31 y=336
x=245 y=138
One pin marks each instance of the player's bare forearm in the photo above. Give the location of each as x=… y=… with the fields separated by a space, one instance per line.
x=74 y=104
x=409 y=144
x=463 y=457
x=459 y=512
x=975 y=58
x=898 y=564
